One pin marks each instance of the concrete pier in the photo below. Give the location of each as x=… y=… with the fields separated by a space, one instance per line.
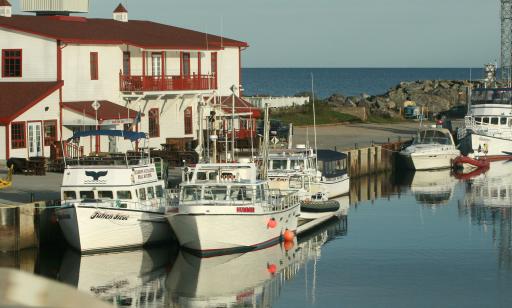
x=27 y=226
x=373 y=159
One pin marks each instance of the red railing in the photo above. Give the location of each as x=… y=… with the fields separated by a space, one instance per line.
x=167 y=83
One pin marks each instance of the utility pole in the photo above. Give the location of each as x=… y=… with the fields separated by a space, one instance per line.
x=506 y=40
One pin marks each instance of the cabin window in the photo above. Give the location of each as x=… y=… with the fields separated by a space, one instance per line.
x=259 y=193
x=241 y=193
x=11 y=63
x=494 y=121
x=191 y=193
x=124 y=194
x=142 y=194
x=185 y=64
x=485 y=120
x=478 y=120
x=50 y=132
x=279 y=164
x=94 y=65
x=188 y=120
x=88 y=194
x=105 y=194
x=154 y=123
x=503 y=121
x=218 y=193
x=151 y=193
x=18 y=135
x=69 y=195
x=126 y=63
x=159 y=191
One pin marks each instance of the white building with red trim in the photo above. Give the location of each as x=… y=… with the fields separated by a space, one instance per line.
x=54 y=67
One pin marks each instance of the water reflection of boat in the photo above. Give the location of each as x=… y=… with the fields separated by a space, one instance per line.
x=493 y=188
x=252 y=279
x=488 y=204
x=433 y=187
x=126 y=278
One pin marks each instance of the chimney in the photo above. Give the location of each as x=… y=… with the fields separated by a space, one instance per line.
x=120 y=13
x=5 y=8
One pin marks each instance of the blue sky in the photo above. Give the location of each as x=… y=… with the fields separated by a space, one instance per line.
x=337 y=33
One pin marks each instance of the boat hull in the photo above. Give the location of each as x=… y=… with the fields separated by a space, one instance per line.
x=90 y=229
x=336 y=187
x=215 y=234
x=481 y=145
x=428 y=161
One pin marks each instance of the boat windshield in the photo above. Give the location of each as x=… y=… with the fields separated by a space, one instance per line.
x=491 y=96
x=432 y=137
x=234 y=192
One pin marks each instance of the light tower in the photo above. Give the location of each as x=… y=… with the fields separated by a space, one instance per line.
x=506 y=40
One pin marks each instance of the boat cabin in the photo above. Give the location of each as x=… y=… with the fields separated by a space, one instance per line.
x=332 y=164
x=291 y=160
x=133 y=185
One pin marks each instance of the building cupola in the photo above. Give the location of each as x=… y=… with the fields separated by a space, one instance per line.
x=120 y=13
x=5 y=8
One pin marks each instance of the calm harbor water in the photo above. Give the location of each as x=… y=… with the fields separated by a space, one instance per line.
x=348 y=81
x=424 y=239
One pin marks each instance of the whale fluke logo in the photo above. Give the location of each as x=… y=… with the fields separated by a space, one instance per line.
x=96 y=175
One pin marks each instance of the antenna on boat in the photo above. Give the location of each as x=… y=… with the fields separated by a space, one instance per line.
x=252 y=133
x=233 y=89
x=265 y=144
x=314 y=118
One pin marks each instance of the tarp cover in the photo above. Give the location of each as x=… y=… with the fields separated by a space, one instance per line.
x=330 y=155
x=133 y=136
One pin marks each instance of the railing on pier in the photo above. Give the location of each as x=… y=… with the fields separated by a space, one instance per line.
x=167 y=83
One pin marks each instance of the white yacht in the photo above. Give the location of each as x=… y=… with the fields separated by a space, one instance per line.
x=296 y=169
x=112 y=204
x=488 y=124
x=432 y=148
x=224 y=208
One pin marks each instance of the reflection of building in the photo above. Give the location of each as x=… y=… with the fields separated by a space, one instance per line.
x=433 y=187
x=253 y=279
x=488 y=204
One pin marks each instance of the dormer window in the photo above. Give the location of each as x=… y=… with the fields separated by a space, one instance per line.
x=11 y=63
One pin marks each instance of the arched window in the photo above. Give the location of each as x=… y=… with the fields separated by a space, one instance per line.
x=154 y=123
x=188 y=120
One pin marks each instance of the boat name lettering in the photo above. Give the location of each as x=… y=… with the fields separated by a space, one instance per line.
x=142 y=174
x=107 y=215
x=245 y=210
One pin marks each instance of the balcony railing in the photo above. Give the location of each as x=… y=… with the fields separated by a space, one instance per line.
x=167 y=83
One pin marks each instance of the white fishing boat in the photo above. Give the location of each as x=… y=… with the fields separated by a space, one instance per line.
x=488 y=124
x=432 y=148
x=112 y=204
x=297 y=169
x=224 y=208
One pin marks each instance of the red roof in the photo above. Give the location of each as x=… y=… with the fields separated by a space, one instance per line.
x=107 y=110
x=144 y=34
x=4 y=3
x=120 y=9
x=241 y=106
x=18 y=97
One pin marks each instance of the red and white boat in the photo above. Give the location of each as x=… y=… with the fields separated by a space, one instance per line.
x=224 y=208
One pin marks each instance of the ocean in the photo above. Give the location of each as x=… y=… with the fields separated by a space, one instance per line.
x=347 y=81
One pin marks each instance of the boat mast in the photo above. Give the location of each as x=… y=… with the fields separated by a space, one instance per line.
x=264 y=155
x=233 y=89
x=314 y=118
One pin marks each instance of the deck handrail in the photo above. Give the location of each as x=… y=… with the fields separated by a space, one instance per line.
x=167 y=83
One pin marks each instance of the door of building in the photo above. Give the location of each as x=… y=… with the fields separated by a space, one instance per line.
x=35 y=146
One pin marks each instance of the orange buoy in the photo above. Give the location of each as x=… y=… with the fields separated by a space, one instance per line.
x=288 y=245
x=272 y=223
x=271 y=268
x=288 y=235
